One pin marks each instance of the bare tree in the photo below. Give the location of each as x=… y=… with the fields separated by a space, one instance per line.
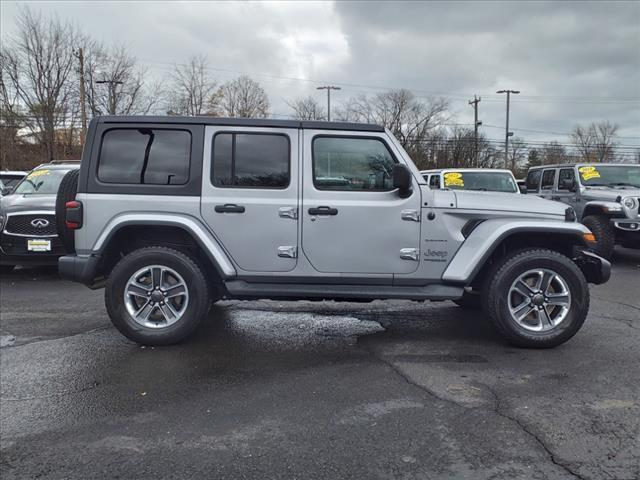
x=245 y=98
x=595 y=142
x=307 y=109
x=38 y=65
x=409 y=119
x=121 y=89
x=193 y=92
x=554 y=153
x=517 y=150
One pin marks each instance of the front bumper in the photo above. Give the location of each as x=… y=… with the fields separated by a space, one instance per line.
x=596 y=269
x=14 y=251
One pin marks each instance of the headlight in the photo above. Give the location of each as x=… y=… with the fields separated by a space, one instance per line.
x=630 y=203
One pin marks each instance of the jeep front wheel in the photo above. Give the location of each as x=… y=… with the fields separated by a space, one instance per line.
x=605 y=236
x=537 y=298
x=156 y=296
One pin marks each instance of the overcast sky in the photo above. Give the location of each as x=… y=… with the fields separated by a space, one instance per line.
x=573 y=62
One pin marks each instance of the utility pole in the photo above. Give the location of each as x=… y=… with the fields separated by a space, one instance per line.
x=83 y=108
x=507 y=133
x=328 y=88
x=476 y=124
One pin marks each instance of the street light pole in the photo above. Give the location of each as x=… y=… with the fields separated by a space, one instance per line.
x=476 y=124
x=507 y=133
x=328 y=88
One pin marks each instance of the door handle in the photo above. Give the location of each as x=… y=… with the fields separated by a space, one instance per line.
x=323 y=211
x=229 y=208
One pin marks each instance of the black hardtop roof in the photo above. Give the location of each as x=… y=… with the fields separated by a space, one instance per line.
x=241 y=122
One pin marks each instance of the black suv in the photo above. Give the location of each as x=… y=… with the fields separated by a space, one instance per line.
x=28 y=228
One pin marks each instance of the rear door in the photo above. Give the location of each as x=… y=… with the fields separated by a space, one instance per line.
x=563 y=193
x=250 y=195
x=547 y=183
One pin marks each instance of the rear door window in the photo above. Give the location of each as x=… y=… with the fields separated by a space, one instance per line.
x=142 y=156
x=548 y=179
x=250 y=160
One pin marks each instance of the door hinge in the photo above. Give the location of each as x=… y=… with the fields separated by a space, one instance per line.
x=287 y=251
x=410 y=254
x=288 y=212
x=410 y=215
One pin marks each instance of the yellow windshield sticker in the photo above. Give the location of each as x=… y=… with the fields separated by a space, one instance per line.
x=453 y=179
x=38 y=173
x=587 y=173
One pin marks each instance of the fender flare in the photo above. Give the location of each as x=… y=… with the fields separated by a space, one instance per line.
x=605 y=207
x=485 y=238
x=205 y=239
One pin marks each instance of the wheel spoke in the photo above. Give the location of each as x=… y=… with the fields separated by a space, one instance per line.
x=527 y=310
x=545 y=281
x=167 y=312
x=144 y=312
x=545 y=319
x=561 y=299
x=523 y=288
x=138 y=290
x=175 y=290
x=525 y=305
x=156 y=277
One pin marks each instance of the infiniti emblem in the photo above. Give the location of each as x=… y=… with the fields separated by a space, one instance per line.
x=40 y=222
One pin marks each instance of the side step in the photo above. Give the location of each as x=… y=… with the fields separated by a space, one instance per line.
x=240 y=288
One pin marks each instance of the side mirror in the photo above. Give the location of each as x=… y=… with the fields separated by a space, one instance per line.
x=522 y=188
x=402 y=180
x=6 y=191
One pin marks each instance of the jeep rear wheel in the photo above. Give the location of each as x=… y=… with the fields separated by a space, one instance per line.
x=605 y=236
x=157 y=296
x=537 y=298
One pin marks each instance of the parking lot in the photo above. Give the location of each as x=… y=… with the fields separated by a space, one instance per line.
x=266 y=389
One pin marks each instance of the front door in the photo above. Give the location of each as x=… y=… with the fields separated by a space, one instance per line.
x=353 y=220
x=250 y=195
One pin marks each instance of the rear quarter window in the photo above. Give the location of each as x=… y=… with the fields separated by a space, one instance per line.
x=145 y=156
x=533 y=180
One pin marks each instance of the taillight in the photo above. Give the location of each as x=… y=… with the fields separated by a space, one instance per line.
x=73 y=215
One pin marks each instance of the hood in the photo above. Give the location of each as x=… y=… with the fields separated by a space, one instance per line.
x=20 y=203
x=512 y=202
x=609 y=194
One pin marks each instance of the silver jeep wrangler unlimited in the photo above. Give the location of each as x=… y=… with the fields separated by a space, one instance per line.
x=605 y=196
x=170 y=214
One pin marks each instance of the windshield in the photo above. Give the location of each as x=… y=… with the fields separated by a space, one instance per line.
x=41 y=181
x=481 y=181
x=610 y=175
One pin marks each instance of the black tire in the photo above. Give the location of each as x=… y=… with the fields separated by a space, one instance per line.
x=66 y=192
x=603 y=231
x=505 y=272
x=469 y=301
x=6 y=269
x=198 y=295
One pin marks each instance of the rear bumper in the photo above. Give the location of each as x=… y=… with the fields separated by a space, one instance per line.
x=596 y=269
x=79 y=269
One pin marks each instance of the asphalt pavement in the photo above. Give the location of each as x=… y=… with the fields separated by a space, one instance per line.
x=388 y=390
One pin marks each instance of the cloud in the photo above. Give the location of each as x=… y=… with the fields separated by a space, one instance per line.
x=573 y=61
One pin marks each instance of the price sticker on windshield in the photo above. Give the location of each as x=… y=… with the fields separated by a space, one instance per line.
x=453 y=179
x=38 y=173
x=587 y=173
